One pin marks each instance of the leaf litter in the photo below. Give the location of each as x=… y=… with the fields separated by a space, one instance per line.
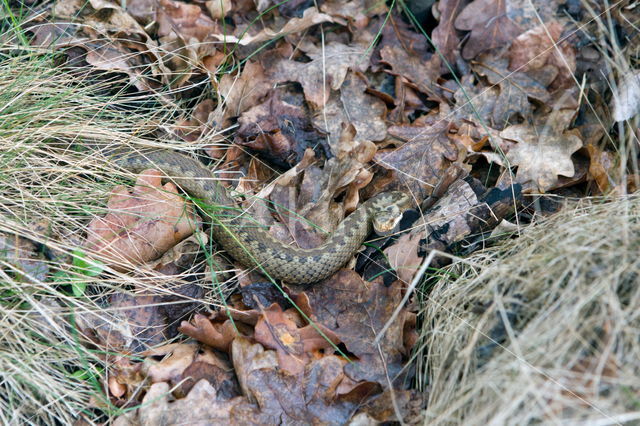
x=325 y=107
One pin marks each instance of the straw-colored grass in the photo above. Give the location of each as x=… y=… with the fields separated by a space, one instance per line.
x=51 y=185
x=544 y=328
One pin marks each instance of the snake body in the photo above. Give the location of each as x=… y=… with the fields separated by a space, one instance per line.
x=252 y=245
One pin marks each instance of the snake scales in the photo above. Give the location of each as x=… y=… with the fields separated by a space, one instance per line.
x=252 y=245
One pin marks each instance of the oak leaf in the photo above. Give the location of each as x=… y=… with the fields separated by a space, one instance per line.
x=489 y=24
x=543 y=152
x=327 y=69
x=141 y=224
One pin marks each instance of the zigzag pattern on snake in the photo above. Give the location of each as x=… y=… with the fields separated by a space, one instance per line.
x=253 y=246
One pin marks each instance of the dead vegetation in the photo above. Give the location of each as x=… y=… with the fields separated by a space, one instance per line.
x=543 y=327
x=316 y=108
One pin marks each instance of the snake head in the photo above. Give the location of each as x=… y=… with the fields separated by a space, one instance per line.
x=387 y=209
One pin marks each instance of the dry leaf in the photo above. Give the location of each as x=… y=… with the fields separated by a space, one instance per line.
x=239 y=93
x=444 y=36
x=142 y=223
x=326 y=71
x=293 y=344
x=218 y=9
x=490 y=26
x=352 y=106
x=543 y=151
x=422 y=74
x=540 y=47
x=418 y=164
x=356 y=311
x=187 y=20
x=310 y=18
x=515 y=90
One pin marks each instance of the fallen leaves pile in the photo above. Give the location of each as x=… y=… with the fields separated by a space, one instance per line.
x=346 y=100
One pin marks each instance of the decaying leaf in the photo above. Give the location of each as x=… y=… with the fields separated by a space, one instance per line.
x=543 y=151
x=310 y=17
x=325 y=72
x=356 y=311
x=420 y=73
x=489 y=24
x=418 y=164
x=141 y=224
x=353 y=106
x=541 y=53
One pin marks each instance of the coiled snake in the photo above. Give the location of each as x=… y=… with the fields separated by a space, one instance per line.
x=253 y=246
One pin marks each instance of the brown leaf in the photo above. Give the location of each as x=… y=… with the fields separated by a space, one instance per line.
x=515 y=90
x=288 y=398
x=326 y=70
x=543 y=151
x=218 y=9
x=352 y=106
x=355 y=10
x=178 y=357
x=187 y=20
x=223 y=380
x=444 y=36
x=141 y=224
x=490 y=26
x=202 y=406
x=422 y=74
x=309 y=18
x=192 y=129
x=601 y=167
x=215 y=334
x=356 y=311
x=277 y=129
x=418 y=164
x=239 y=93
x=276 y=330
x=540 y=47
x=404 y=256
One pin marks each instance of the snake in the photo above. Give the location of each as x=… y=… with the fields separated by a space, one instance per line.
x=253 y=246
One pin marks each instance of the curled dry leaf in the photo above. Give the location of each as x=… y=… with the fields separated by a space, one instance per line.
x=294 y=344
x=309 y=18
x=215 y=334
x=141 y=224
x=187 y=20
x=543 y=151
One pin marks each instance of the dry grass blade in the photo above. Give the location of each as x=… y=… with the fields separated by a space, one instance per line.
x=51 y=186
x=542 y=329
